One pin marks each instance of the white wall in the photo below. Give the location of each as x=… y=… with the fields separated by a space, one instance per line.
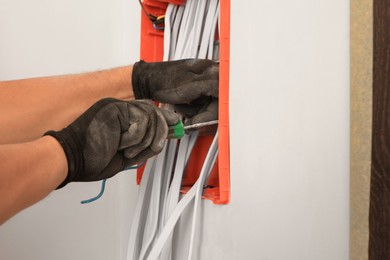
x=43 y=37
x=289 y=170
x=289 y=104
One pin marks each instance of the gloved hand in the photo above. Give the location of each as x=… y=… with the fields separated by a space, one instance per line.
x=112 y=135
x=191 y=85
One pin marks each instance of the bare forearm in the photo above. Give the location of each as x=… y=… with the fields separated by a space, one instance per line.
x=28 y=173
x=30 y=107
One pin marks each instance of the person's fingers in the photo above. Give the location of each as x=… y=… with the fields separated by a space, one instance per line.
x=101 y=136
x=138 y=122
x=207 y=81
x=189 y=91
x=122 y=114
x=186 y=80
x=115 y=165
x=188 y=111
x=160 y=133
x=150 y=111
x=208 y=87
x=171 y=118
x=203 y=66
x=193 y=108
x=140 y=157
x=209 y=113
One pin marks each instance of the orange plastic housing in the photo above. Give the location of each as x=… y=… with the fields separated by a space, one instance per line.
x=218 y=186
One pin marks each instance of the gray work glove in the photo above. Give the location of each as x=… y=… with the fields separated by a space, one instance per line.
x=191 y=85
x=112 y=135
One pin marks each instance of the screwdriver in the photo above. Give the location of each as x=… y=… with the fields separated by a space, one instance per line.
x=206 y=128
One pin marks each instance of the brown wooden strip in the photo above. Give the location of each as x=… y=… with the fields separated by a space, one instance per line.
x=361 y=125
x=379 y=244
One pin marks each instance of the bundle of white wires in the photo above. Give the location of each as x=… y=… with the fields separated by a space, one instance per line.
x=189 y=33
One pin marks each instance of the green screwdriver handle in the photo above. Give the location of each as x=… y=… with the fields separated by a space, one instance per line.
x=176 y=131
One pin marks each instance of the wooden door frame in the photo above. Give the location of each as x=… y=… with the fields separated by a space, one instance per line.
x=370 y=130
x=379 y=218
x=361 y=73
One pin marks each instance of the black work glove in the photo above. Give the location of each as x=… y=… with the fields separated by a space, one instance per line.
x=112 y=135
x=191 y=85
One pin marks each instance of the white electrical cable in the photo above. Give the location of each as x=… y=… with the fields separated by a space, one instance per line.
x=187 y=143
x=172 y=199
x=185 y=29
x=206 y=47
x=210 y=53
x=194 y=36
x=173 y=195
x=175 y=32
x=134 y=245
x=170 y=35
x=146 y=216
x=206 y=169
x=145 y=231
x=167 y=30
x=189 y=33
x=192 y=44
x=181 y=31
x=154 y=205
x=191 y=25
x=160 y=179
x=209 y=29
x=198 y=198
x=170 y=160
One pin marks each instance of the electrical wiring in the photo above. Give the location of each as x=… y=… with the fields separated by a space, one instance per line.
x=157 y=21
x=189 y=32
x=199 y=192
x=184 y=34
x=170 y=161
x=209 y=30
x=197 y=28
x=142 y=204
x=185 y=148
x=202 y=44
x=211 y=45
x=167 y=33
x=104 y=186
x=150 y=16
x=97 y=196
x=154 y=206
x=175 y=32
x=184 y=202
x=159 y=24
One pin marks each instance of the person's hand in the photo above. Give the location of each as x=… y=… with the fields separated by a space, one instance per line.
x=191 y=85
x=112 y=135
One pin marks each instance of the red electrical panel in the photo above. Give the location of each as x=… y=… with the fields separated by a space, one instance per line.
x=218 y=186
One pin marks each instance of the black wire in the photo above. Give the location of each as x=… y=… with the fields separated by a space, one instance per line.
x=158 y=24
x=151 y=17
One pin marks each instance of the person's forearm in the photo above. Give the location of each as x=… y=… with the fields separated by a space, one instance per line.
x=28 y=173
x=30 y=107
